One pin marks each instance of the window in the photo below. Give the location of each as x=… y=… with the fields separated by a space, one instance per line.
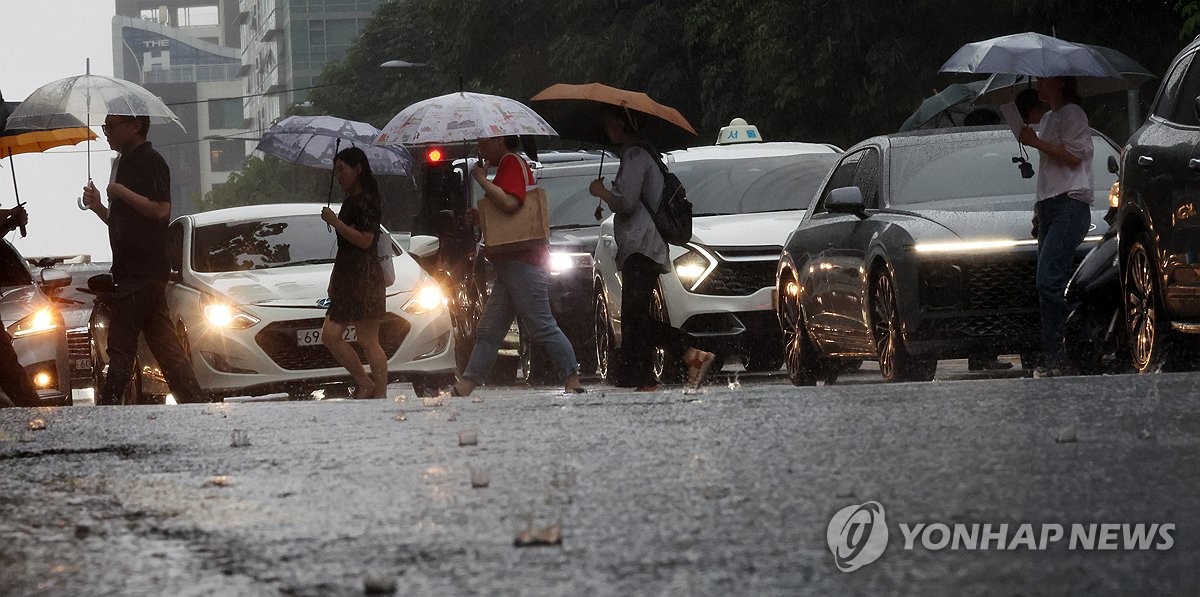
x=866 y=178
x=1185 y=98
x=843 y=176
x=225 y=113
x=316 y=33
x=226 y=155
x=1165 y=104
x=175 y=246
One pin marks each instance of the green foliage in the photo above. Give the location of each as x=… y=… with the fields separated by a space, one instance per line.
x=270 y=180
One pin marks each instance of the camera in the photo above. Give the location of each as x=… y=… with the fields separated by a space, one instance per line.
x=1024 y=166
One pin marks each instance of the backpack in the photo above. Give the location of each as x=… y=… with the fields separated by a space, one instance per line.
x=385 y=252
x=673 y=218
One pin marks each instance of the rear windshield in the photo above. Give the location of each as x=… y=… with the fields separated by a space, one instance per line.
x=752 y=185
x=263 y=244
x=970 y=168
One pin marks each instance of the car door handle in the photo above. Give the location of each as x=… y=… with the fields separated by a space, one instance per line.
x=1145 y=161
x=1194 y=164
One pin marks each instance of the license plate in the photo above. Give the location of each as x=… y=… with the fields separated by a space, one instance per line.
x=313 y=337
x=82 y=365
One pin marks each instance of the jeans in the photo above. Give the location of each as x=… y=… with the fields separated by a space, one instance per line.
x=144 y=311
x=640 y=331
x=523 y=289
x=1062 y=224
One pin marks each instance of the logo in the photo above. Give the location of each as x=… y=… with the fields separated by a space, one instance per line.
x=857 y=535
x=324 y=303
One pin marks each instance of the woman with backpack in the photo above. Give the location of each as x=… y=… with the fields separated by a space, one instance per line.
x=641 y=256
x=356 y=286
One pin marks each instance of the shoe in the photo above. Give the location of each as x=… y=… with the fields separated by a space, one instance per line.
x=698 y=368
x=454 y=392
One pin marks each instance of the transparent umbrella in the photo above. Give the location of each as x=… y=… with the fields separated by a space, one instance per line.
x=1003 y=88
x=460 y=117
x=315 y=140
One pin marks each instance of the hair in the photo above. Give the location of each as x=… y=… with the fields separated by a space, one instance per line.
x=619 y=113
x=1027 y=100
x=353 y=156
x=1070 y=89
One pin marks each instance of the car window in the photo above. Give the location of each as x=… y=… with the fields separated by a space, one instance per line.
x=1165 y=104
x=1184 y=111
x=866 y=177
x=12 y=268
x=953 y=170
x=571 y=204
x=262 y=244
x=843 y=176
x=752 y=185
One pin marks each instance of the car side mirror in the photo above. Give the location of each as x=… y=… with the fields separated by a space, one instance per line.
x=846 y=200
x=50 y=278
x=1114 y=167
x=422 y=246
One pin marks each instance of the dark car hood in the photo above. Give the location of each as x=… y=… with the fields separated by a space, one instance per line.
x=988 y=218
x=575 y=240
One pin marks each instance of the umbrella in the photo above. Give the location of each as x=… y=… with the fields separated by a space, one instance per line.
x=14 y=142
x=1003 y=88
x=954 y=99
x=315 y=140
x=1030 y=54
x=576 y=111
x=462 y=116
x=87 y=98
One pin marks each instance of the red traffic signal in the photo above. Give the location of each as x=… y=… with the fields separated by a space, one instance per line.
x=434 y=155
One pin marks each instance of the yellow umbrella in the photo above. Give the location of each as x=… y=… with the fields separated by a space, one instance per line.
x=37 y=142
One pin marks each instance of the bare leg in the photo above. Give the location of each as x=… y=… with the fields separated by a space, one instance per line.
x=331 y=334
x=368 y=339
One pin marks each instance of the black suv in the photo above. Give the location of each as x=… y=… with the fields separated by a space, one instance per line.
x=1159 y=219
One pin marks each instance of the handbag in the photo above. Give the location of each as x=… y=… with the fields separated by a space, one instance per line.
x=384 y=253
x=526 y=227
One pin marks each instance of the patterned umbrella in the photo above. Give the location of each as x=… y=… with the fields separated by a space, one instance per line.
x=461 y=117
x=315 y=140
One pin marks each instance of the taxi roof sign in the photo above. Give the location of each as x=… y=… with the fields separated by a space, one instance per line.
x=738 y=132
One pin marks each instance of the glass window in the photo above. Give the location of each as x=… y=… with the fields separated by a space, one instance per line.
x=175 y=246
x=340 y=32
x=1185 y=99
x=843 y=176
x=12 y=269
x=1165 y=104
x=316 y=33
x=262 y=244
x=224 y=114
x=866 y=178
x=753 y=185
x=226 y=155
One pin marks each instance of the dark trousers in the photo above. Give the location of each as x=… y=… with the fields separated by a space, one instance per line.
x=640 y=331
x=1062 y=224
x=144 y=311
x=13 y=379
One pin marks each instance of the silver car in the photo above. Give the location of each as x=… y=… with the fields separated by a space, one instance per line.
x=35 y=325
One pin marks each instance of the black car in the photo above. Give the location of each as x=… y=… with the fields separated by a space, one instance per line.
x=918 y=248
x=1158 y=220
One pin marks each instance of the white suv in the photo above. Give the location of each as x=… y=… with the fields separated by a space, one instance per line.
x=746 y=199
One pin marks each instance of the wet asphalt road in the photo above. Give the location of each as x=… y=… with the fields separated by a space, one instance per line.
x=726 y=491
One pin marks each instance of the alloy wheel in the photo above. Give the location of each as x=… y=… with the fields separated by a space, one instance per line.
x=884 y=325
x=796 y=355
x=1142 y=317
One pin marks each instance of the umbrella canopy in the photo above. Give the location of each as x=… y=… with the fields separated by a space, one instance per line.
x=18 y=142
x=87 y=99
x=1003 y=88
x=315 y=140
x=955 y=99
x=576 y=111
x=462 y=116
x=1031 y=54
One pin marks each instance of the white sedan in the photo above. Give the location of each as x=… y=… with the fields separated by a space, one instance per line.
x=248 y=295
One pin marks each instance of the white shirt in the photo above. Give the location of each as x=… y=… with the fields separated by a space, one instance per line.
x=1066 y=126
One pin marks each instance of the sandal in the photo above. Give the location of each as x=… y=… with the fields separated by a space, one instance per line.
x=698 y=368
x=364 y=391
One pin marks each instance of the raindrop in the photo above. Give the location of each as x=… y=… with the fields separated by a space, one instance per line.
x=401 y=417
x=1065 y=435
x=37 y=424
x=468 y=438
x=480 y=478
x=240 y=438
x=734 y=383
x=220 y=481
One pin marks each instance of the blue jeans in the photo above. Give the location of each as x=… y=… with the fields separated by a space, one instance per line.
x=1062 y=224
x=522 y=289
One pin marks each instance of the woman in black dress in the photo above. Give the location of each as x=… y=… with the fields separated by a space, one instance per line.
x=356 y=287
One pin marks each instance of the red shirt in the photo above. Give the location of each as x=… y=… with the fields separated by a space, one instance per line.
x=510 y=178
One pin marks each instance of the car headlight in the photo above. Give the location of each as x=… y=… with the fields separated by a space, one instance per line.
x=38 y=322
x=220 y=315
x=561 y=263
x=1114 y=194
x=694 y=266
x=428 y=297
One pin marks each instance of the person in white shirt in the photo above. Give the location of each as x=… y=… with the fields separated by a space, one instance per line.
x=1064 y=199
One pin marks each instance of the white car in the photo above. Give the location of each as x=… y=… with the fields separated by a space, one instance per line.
x=248 y=295
x=746 y=199
x=35 y=325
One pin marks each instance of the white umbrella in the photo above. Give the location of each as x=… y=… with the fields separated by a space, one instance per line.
x=1031 y=54
x=461 y=117
x=1001 y=88
x=315 y=140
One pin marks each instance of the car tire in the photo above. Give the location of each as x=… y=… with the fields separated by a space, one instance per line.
x=607 y=354
x=768 y=357
x=534 y=362
x=895 y=362
x=667 y=366
x=1146 y=324
x=799 y=353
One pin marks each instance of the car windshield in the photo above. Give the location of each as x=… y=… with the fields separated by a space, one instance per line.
x=952 y=170
x=12 y=268
x=751 y=185
x=262 y=244
x=569 y=200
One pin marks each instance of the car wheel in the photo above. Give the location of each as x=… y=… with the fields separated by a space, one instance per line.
x=895 y=363
x=468 y=308
x=799 y=354
x=430 y=385
x=667 y=369
x=1143 y=315
x=534 y=361
x=607 y=358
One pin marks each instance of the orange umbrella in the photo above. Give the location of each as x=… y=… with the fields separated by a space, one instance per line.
x=37 y=142
x=575 y=111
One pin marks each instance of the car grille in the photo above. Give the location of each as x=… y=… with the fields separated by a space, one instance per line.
x=741 y=271
x=1011 y=326
x=79 y=344
x=1000 y=285
x=278 y=341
